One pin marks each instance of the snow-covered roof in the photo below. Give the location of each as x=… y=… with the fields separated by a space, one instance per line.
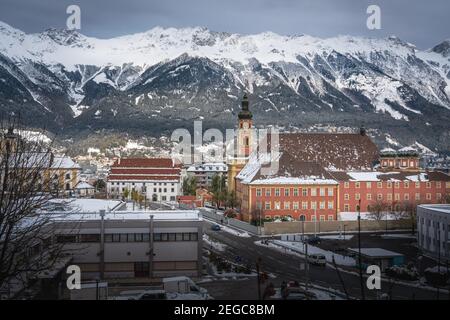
x=208 y=167
x=294 y=180
x=180 y=215
x=84 y=185
x=368 y=176
x=445 y=208
x=81 y=205
x=376 y=252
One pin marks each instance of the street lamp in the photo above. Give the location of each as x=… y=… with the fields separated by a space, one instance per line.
x=359 y=251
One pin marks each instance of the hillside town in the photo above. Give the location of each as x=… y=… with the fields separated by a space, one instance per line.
x=152 y=220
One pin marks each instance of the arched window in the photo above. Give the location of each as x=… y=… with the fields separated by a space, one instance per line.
x=67 y=186
x=246 y=141
x=302 y=217
x=154 y=197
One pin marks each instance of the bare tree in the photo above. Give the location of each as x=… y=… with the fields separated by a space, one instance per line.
x=408 y=211
x=27 y=244
x=378 y=210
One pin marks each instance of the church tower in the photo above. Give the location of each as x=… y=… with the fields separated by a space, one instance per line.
x=243 y=143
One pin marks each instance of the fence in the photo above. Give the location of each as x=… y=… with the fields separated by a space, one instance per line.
x=231 y=222
x=334 y=226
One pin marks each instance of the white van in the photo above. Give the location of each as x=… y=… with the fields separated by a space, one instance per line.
x=317 y=259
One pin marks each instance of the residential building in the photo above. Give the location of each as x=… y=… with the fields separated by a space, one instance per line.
x=205 y=172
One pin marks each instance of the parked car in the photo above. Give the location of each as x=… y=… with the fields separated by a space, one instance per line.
x=313 y=240
x=147 y=295
x=317 y=259
x=215 y=227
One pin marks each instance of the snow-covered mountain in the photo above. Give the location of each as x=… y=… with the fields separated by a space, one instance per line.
x=160 y=78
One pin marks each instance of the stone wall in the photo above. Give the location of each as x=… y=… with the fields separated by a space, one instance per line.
x=334 y=226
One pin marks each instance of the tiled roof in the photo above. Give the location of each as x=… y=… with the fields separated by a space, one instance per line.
x=336 y=151
x=130 y=171
x=144 y=163
x=148 y=178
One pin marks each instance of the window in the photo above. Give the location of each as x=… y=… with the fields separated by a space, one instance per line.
x=397 y=185
x=369 y=196
x=438 y=184
x=406 y=184
x=258 y=192
x=417 y=197
x=277 y=205
x=330 y=192
x=67 y=176
x=368 y=185
x=258 y=205
x=346 y=184
x=417 y=184
x=330 y=218
x=406 y=196
x=295 y=192
x=357 y=196
x=66 y=238
x=287 y=205
x=322 y=192
x=286 y=192
x=322 y=218
x=379 y=196
x=346 y=207
x=304 y=192
x=90 y=238
x=346 y=196
x=379 y=184
x=439 y=197
x=389 y=184
x=389 y=196
x=267 y=205
x=322 y=205
x=428 y=196
x=267 y=192
x=295 y=205
x=313 y=205
x=428 y=185
x=313 y=192
x=304 y=205
x=357 y=185
x=397 y=196
x=313 y=218
x=277 y=192
x=330 y=204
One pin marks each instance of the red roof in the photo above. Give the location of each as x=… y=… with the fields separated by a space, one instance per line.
x=145 y=163
x=174 y=171
x=150 y=178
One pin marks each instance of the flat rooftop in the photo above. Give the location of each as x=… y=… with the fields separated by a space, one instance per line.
x=376 y=252
x=74 y=205
x=158 y=215
x=437 y=207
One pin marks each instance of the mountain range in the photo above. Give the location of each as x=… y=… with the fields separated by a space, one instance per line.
x=153 y=82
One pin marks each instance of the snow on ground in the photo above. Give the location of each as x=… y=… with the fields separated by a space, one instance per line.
x=338 y=237
x=353 y=216
x=214 y=244
x=299 y=247
x=398 y=236
x=235 y=232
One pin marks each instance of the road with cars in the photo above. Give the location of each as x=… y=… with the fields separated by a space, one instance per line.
x=286 y=267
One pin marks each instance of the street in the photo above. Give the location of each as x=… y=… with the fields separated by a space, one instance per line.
x=286 y=267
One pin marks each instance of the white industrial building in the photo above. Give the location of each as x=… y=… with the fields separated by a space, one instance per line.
x=433 y=226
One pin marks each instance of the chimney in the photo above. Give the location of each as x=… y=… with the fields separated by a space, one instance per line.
x=362 y=131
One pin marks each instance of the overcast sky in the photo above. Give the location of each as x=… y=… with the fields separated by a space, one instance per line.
x=422 y=22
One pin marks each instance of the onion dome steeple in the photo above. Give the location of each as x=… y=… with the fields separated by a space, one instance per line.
x=245 y=112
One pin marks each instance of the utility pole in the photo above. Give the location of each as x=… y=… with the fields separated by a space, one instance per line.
x=258 y=267
x=315 y=221
x=306 y=266
x=361 y=280
x=439 y=255
x=102 y=244
x=150 y=253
